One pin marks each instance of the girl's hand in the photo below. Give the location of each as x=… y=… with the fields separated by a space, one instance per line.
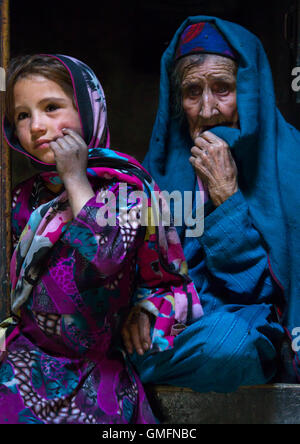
x=71 y=155
x=136 y=331
x=214 y=164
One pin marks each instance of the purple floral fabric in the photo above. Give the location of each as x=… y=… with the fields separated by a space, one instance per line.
x=65 y=363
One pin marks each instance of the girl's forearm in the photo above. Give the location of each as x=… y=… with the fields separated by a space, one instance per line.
x=79 y=191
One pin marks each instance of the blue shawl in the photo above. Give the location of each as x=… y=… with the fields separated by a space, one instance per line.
x=266 y=150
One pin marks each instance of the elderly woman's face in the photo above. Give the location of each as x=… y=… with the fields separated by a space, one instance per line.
x=209 y=95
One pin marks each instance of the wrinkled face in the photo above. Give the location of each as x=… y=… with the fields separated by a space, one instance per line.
x=209 y=95
x=41 y=110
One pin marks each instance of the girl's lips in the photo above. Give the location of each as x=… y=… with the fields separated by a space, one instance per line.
x=42 y=144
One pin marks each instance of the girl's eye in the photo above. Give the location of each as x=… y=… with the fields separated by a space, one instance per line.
x=22 y=116
x=51 y=107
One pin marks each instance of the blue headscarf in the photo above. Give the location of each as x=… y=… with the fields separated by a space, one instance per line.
x=202 y=38
x=266 y=150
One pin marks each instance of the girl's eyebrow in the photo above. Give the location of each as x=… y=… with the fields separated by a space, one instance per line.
x=44 y=100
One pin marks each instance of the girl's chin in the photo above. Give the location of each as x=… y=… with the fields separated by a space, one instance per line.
x=47 y=158
x=48 y=162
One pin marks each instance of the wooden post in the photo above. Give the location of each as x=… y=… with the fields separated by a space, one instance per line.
x=5 y=172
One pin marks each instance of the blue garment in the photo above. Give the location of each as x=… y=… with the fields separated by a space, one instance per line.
x=220 y=352
x=236 y=341
x=244 y=269
x=234 y=265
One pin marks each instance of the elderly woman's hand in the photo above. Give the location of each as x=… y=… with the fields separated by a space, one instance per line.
x=136 y=331
x=214 y=164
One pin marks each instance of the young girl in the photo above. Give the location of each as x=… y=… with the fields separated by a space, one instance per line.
x=72 y=274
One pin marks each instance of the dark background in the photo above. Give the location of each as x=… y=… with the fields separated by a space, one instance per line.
x=123 y=41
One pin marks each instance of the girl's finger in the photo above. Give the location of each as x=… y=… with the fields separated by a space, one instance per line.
x=63 y=143
x=74 y=135
x=69 y=142
x=54 y=146
x=144 y=327
x=127 y=339
x=135 y=337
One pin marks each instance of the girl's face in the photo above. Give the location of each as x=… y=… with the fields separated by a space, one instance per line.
x=42 y=110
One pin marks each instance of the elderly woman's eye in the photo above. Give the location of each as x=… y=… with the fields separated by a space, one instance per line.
x=193 y=91
x=222 y=88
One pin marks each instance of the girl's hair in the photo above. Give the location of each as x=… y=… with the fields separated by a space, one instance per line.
x=27 y=65
x=179 y=68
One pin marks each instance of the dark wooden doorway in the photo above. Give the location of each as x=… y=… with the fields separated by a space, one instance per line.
x=5 y=173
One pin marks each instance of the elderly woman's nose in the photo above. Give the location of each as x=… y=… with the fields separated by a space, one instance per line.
x=208 y=106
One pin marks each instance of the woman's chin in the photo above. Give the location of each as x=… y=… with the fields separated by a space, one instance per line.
x=46 y=158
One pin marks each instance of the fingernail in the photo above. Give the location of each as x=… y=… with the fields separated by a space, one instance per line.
x=140 y=351
x=146 y=346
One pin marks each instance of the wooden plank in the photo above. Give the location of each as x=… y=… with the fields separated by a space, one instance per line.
x=5 y=175
x=260 y=404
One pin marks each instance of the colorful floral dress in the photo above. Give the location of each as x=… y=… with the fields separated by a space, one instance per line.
x=60 y=365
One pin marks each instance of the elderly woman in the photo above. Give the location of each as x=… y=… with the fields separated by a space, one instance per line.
x=218 y=130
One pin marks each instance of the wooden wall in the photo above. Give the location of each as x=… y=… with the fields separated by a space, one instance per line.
x=5 y=178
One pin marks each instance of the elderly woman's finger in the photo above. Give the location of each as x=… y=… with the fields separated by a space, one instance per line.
x=211 y=137
x=201 y=142
x=198 y=152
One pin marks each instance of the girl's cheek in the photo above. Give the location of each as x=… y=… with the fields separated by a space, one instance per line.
x=74 y=125
x=19 y=134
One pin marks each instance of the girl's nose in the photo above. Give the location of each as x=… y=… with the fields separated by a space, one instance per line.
x=37 y=124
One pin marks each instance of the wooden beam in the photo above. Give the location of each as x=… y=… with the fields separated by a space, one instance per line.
x=5 y=174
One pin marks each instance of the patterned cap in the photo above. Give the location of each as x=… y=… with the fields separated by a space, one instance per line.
x=203 y=37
